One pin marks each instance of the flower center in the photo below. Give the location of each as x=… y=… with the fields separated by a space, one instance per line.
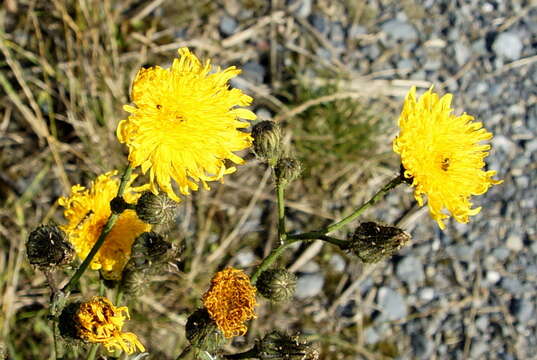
x=445 y=164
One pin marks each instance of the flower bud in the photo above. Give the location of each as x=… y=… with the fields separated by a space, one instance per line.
x=155 y=209
x=277 y=345
x=47 y=246
x=372 y=242
x=203 y=333
x=277 y=285
x=267 y=141
x=287 y=170
x=133 y=283
x=149 y=249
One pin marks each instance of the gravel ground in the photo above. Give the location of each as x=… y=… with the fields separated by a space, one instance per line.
x=468 y=292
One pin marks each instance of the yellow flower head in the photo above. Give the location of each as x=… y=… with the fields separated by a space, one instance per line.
x=230 y=301
x=87 y=210
x=98 y=321
x=185 y=124
x=443 y=155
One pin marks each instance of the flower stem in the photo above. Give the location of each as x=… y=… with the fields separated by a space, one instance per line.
x=184 y=353
x=280 y=190
x=321 y=234
x=104 y=232
x=93 y=352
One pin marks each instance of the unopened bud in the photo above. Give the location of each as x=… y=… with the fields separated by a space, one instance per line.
x=149 y=249
x=277 y=345
x=133 y=283
x=155 y=209
x=47 y=246
x=203 y=333
x=372 y=242
x=267 y=141
x=277 y=285
x=287 y=170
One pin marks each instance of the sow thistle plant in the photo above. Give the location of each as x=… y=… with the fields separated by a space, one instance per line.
x=185 y=129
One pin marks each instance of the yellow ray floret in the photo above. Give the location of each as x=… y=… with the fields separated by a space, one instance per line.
x=99 y=321
x=185 y=125
x=87 y=210
x=230 y=301
x=444 y=156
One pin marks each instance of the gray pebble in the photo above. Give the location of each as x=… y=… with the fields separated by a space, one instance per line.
x=508 y=45
x=397 y=30
x=254 y=72
x=410 y=270
x=337 y=263
x=522 y=309
x=228 y=25
x=309 y=285
x=391 y=304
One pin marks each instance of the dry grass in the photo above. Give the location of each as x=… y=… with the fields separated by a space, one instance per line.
x=65 y=71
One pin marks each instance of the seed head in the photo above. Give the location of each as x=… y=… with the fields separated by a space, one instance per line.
x=155 y=209
x=372 y=242
x=267 y=141
x=47 y=247
x=277 y=285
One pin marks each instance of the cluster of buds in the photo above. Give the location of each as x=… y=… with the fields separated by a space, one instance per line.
x=372 y=242
x=268 y=147
x=149 y=253
x=203 y=333
x=278 y=345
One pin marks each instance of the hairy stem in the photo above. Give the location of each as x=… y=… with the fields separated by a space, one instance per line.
x=280 y=190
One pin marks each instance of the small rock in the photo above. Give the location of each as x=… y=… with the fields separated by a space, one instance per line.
x=263 y=114
x=422 y=346
x=493 y=276
x=426 y=294
x=228 y=25
x=397 y=30
x=337 y=263
x=410 y=270
x=319 y=22
x=309 y=285
x=392 y=305
x=514 y=286
x=522 y=309
x=508 y=45
x=303 y=9
x=514 y=242
x=371 y=336
x=245 y=258
x=462 y=53
x=254 y=72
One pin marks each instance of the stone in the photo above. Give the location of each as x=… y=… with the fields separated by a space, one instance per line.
x=522 y=309
x=422 y=346
x=245 y=258
x=508 y=46
x=391 y=304
x=397 y=30
x=254 y=72
x=462 y=53
x=337 y=263
x=309 y=285
x=514 y=242
x=426 y=294
x=228 y=25
x=410 y=270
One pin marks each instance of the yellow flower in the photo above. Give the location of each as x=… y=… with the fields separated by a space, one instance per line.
x=230 y=301
x=87 y=210
x=99 y=321
x=443 y=155
x=185 y=125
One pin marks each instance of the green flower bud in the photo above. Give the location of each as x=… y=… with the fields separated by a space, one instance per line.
x=287 y=170
x=372 y=242
x=149 y=249
x=203 y=333
x=277 y=285
x=47 y=247
x=133 y=283
x=277 y=345
x=267 y=141
x=155 y=209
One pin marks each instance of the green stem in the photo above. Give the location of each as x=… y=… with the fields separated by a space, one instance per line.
x=355 y=214
x=184 y=353
x=93 y=352
x=321 y=234
x=280 y=190
x=55 y=337
x=271 y=258
x=104 y=232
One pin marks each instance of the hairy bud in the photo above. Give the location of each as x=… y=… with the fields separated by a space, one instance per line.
x=277 y=285
x=287 y=170
x=372 y=242
x=155 y=209
x=47 y=247
x=203 y=333
x=277 y=345
x=267 y=141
